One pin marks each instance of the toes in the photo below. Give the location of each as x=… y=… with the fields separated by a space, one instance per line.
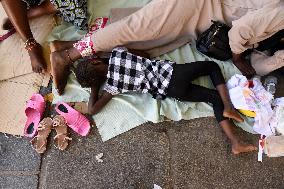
x=243 y=149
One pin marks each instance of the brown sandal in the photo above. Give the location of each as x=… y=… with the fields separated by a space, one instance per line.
x=61 y=138
x=40 y=140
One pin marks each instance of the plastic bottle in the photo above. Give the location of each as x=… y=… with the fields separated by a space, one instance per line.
x=270 y=84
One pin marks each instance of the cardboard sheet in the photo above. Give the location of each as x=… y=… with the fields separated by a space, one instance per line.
x=13 y=96
x=17 y=81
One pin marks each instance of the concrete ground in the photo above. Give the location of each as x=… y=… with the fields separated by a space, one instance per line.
x=173 y=155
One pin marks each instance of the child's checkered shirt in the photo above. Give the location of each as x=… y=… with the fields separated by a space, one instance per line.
x=131 y=73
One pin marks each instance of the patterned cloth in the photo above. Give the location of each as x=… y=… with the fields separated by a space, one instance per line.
x=130 y=73
x=72 y=11
x=31 y=3
x=85 y=45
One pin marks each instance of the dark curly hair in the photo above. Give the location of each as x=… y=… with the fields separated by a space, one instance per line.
x=89 y=73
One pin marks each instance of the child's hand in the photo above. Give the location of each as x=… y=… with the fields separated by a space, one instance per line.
x=96 y=107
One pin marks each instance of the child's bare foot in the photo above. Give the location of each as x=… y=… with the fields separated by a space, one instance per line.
x=238 y=148
x=60 y=69
x=232 y=114
x=60 y=45
x=37 y=60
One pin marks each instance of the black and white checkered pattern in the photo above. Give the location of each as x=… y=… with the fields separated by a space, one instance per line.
x=131 y=73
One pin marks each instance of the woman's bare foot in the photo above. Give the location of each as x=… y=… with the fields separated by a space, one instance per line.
x=238 y=148
x=37 y=60
x=232 y=114
x=60 y=69
x=60 y=45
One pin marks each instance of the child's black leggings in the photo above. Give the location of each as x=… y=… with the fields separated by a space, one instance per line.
x=181 y=88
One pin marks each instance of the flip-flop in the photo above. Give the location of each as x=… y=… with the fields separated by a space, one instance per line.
x=7 y=35
x=75 y=120
x=34 y=110
x=40 y=140
x=61 y=138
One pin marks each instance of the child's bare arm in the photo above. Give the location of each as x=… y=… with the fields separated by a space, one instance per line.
x=96 y=107
x=93 y=97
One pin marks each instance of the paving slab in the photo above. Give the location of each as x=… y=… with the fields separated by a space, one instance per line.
x=19 y=163
x=16 y=154
x=16 y=182
x=137 y=159
x=202 y=158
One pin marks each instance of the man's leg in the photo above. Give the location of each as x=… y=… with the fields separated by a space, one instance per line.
x=156 y=24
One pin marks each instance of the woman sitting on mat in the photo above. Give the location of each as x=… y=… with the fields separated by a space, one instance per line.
x=20 y=11
x=128 y=73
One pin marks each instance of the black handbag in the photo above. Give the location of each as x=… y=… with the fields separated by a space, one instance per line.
x=214 y=42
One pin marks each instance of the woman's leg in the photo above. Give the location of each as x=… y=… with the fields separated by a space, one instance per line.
x=44 y=8
x=195 y=93
x=60 y=66
x=17 y=13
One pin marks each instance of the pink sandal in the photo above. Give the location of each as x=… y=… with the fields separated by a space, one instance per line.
x=34 y=110
x=75 y=120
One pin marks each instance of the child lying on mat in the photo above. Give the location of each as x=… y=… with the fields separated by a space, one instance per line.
x=128 y=73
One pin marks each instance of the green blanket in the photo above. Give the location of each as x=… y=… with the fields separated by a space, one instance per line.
x=126 y=111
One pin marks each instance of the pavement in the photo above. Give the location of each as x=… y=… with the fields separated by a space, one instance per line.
x=174 y=155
